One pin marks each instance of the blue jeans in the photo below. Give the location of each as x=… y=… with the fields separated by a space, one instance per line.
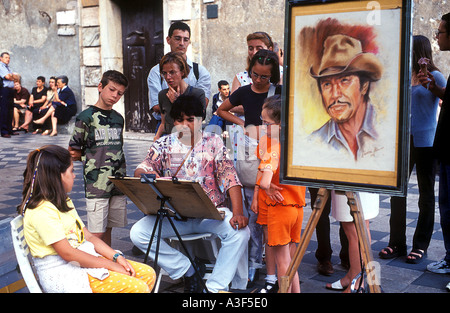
x=256 y=244
x=444 y=206
x=175 y=263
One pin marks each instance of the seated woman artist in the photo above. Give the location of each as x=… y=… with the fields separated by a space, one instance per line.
x=67 y=257
x=201 y=157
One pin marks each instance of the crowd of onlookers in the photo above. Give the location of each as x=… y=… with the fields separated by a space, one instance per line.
x=39 y=111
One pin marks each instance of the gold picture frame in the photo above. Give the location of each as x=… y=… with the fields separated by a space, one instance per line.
x=328 y=44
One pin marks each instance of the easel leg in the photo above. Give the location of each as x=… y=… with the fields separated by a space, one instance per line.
x=158 y=217
x=363 y=237
x=321 y=200
x=158 y=225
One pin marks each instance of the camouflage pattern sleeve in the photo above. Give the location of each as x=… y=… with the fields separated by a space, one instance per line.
x=79 y=135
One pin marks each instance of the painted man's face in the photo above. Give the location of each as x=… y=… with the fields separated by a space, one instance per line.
x=342 y=96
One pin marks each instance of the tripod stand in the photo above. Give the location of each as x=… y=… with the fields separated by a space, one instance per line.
x=356 y=212
x=164 y=211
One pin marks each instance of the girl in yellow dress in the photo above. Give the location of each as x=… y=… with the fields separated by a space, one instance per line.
x=67 y=257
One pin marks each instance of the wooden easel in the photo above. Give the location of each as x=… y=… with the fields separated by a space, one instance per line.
x=356 y=212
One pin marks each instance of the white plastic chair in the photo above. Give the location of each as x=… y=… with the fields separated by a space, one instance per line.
x=23 y=255
x=186 y=239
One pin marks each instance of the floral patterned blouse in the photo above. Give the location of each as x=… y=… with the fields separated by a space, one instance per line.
x=208 y=163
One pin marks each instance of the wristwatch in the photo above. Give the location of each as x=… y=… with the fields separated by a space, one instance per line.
x=118 y=253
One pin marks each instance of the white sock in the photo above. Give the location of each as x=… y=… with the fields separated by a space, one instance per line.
x=271 y=279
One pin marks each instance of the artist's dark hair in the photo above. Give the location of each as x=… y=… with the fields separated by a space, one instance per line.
x=188 y=105
x=42 y=178
x=267 y=57
x=177 y=58
x=114 y=76
x=422 y=49
x=273 y=105
x=41 y=78
x=446 y=19
x=180 y=26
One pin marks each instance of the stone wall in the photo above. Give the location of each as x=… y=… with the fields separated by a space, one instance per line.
x=223 y=39
x=221 y=42
x=42 y=39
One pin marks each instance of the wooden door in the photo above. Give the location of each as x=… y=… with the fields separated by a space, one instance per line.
x=143 y=47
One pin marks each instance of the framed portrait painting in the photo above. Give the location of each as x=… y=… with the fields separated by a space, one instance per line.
x=345 y=123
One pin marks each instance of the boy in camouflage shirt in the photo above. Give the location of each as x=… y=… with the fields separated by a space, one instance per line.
x=97 y=141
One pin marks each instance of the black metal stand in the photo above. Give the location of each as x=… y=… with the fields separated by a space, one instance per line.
x=164 y=212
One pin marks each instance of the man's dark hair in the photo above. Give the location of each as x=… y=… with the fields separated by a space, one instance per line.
x=41 y=78
x=180 y=26
x=188 y=105
x=446 y=19
x=114 y=76
x=222 y=83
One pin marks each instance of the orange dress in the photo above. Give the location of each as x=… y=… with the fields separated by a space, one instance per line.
x=283 y=220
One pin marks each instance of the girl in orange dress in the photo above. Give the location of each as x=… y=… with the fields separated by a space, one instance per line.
x=279 y=207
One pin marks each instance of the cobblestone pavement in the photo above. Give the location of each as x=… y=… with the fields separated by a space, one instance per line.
x=396 y=275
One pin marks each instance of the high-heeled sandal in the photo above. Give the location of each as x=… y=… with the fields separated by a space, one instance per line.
x=336 y=286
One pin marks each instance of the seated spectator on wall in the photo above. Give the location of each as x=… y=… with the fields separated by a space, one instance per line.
x=64 y=106
x=21 y=97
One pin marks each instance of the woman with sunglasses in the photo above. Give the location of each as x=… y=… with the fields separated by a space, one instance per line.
x=67 y=257
x=265 y=74
x=264 y=71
